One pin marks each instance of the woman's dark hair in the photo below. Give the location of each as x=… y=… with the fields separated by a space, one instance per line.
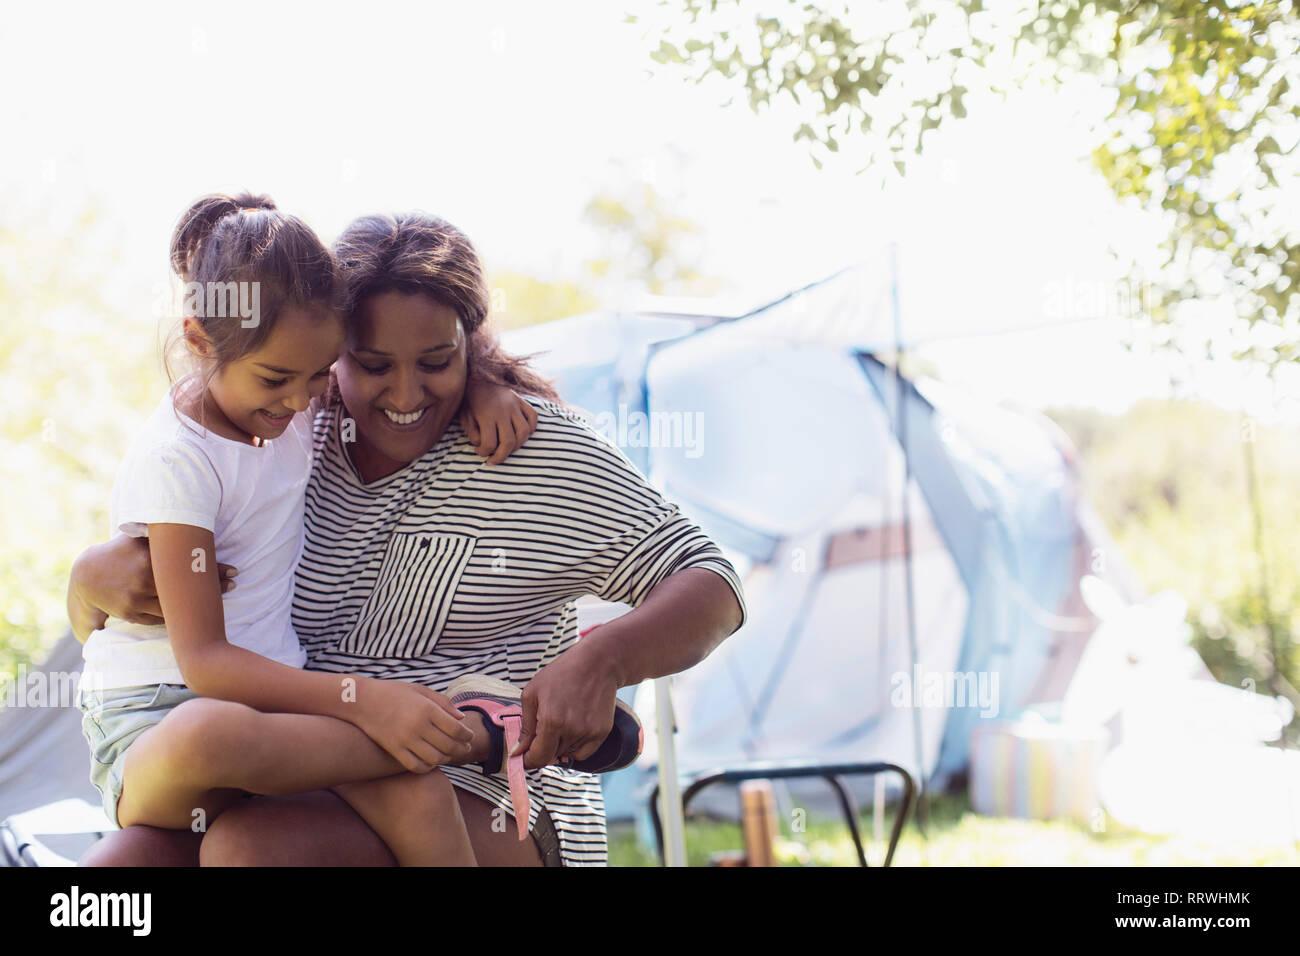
x=228 y=249
x=418 y=253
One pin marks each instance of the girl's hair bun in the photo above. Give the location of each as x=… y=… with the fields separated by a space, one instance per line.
x=249 y=202
x=199 y=221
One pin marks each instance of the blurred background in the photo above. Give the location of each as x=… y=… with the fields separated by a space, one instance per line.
x=1087 y=211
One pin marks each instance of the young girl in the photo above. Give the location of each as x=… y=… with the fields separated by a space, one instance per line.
x=184 y=719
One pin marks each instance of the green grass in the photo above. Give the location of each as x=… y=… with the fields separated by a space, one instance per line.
x=959 y=837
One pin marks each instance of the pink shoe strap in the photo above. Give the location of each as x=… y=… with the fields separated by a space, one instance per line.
x=510 y=719
x=512 y=724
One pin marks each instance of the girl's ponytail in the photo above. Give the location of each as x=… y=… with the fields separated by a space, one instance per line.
x=201 y=220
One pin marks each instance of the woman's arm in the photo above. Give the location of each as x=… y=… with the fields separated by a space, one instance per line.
x=112 y=579
x=115 y=579
x=413 y=723
x=688 y=613
x=570 y=703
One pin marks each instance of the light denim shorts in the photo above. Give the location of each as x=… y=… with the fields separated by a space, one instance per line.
x=111 y=720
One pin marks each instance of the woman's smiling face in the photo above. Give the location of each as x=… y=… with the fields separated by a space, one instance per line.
x=402 y=377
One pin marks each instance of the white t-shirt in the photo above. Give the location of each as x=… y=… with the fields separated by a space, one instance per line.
x=250 y=498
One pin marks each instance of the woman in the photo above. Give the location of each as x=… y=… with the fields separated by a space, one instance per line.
x=422 y=563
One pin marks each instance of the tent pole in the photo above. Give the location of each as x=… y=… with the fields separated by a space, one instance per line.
x=922 y=808
x=670 y=795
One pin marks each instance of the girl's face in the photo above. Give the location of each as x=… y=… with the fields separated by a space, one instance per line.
x=256 y=396
x=402 y=377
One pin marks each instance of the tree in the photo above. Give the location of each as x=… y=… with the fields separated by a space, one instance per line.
x=1203 y=129
x=519 y=299
x=648 y=243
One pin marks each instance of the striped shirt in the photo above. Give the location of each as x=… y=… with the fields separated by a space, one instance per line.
x=450 y=567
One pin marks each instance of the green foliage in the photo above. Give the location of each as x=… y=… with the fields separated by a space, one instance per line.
x=519 y=300
x=1212 y=109
x=649 y=243
x=851 y=81
x=1203 y=130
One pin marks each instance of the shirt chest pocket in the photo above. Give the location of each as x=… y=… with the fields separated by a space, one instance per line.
x=406 y=611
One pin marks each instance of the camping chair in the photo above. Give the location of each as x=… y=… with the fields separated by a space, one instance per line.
x=19 y=843
x=787 y=770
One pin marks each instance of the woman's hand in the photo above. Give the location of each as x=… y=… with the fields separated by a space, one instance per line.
x=496 y=420
x=569 y=705
x=568 y=708
x=418 y=726
x=115 y=579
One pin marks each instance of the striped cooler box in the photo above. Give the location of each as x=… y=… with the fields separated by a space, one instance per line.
x=1035 y=768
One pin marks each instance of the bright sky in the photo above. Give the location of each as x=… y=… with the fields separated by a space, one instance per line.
x=506 y=118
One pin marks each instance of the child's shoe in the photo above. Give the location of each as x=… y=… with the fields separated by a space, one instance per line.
x=499 y=703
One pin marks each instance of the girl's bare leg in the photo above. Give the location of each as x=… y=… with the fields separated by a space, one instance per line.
x=183 y=772
x=416 y=815
x=494 y=845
